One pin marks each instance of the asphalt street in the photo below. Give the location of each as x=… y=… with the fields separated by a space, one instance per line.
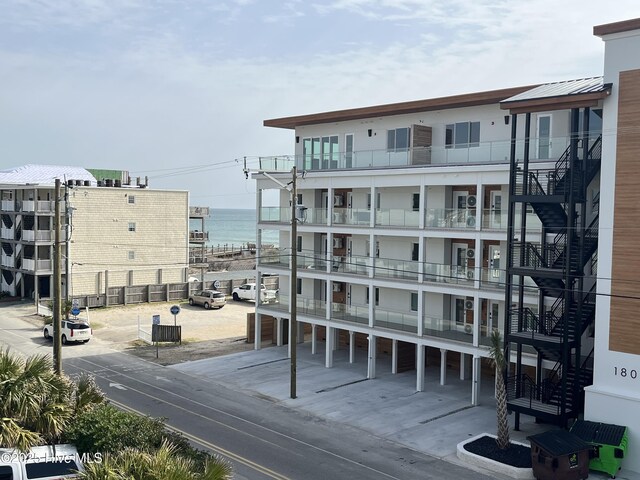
x=262 y=438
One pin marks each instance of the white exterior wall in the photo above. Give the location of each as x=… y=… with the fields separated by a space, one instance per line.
x=101 y=240
x=613 y=398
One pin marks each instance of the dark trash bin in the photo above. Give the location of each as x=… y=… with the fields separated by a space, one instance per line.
x=608 y=443
x=559 y=455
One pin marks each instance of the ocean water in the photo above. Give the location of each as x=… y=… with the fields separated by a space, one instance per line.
x=233 y=227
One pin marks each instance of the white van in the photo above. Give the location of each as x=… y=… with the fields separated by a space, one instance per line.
x=40 y=463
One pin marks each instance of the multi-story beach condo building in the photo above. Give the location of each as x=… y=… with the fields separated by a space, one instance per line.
x=114 y=233
x=424 y=226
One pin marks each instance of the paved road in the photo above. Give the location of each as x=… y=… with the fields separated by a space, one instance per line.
x=263 y=439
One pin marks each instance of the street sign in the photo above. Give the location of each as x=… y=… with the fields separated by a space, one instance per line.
x=75 y=303
x=156 y=320
x=75 y=311
x=175 y=310
x=216 y=284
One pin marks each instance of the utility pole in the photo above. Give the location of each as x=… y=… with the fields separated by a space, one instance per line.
x=294 y=283
x=57 y=284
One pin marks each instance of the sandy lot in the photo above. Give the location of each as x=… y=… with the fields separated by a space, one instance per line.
x=205 y=333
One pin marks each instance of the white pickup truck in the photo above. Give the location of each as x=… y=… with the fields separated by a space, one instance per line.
x=247 y=291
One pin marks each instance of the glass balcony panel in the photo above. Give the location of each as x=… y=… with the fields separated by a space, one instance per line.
x=278 y=257
x=493 y=278
x=447 y=328
x=403 y=321
x=6 y=233
x=275 y=214
x=390 y=268
x=311 y=307
x=450 y=218
x=354 y=265
x=28 y=264
x=397 y=218
x=311 y=260
x=449 y=274
x=358 y=216
x=350 y=313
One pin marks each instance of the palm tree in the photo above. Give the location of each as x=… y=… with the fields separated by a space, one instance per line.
x=500 y=364
x=163 y=464
x=36 y=403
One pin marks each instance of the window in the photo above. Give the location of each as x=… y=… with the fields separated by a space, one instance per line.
x=299 y=244
x=415 y=248
x=299 y=286
x=460 y=312
x=462 y=135
x=377 y=294
x=377 y=201
x=398 y=139
x=132 y=255
x=130 y=279
x=320 y=153
x=132 y=199
x=132 y=226
x=414 y=302
x=416 y=202
x=299 y=199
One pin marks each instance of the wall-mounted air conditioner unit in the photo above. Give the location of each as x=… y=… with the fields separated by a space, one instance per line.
x=338 y=200
x=471 y=221
x=468 y=305
x=468 y=328
x=338 y=242
x=337 y=287
x=470 y=274
x=471 y=201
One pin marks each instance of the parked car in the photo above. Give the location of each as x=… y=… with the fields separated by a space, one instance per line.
x=71 y=331
x=41 y=463
x=208 y=299
x=247 y=291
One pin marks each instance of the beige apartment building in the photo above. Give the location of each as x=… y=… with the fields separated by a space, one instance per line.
x=116 y=233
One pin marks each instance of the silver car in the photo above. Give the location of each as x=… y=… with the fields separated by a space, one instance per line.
x=208 y=299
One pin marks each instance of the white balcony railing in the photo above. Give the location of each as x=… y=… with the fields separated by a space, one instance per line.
x=6 y=233
x=29 y=264
x=8 y=260
x=8 y=205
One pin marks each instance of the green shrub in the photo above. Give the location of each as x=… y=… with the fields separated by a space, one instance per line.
x=106 y=429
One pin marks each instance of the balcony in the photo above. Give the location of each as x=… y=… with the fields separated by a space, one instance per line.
x=6 y=233
x=446 y=328
x=8 y=205
x=455 y=218
x=495 y=152
x=398 y=218
x=196 y=236
x=395 y=320
x=8 y=260
x=29 y=264
x=37 y=235
x=399 y=269
x=198 y=212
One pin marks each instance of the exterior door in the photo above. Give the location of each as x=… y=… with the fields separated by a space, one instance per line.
x=459 y=260
x=493 y=316
x=544 y=136
x=460 y=209
x=495 y=212
x=495 y=272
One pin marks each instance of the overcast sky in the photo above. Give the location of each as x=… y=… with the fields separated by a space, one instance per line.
x=170 y=88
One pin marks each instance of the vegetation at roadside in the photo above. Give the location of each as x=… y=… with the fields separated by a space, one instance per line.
x=39 y=407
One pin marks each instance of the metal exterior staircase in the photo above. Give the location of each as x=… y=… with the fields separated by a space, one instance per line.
x=557 y=265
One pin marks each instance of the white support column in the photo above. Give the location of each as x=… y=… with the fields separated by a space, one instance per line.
x=420 y=351
x=279 y=332
x=371 y=367
x=420 y=312
x=352 y=347
x=372 y=218
x=336 y=339
x=314 y=339
x=476 y=319
x=463 y=372
x=479 y=204
x=423 y=203
x=443 y=366
x=394 y=356
x=328 y=354
x=257 y=331
x=300 y=332
x=475 y=383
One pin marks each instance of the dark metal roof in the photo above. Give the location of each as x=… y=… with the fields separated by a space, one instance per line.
x=561 y=89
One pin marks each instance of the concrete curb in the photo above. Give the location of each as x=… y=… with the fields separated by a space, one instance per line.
x=492 y=465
